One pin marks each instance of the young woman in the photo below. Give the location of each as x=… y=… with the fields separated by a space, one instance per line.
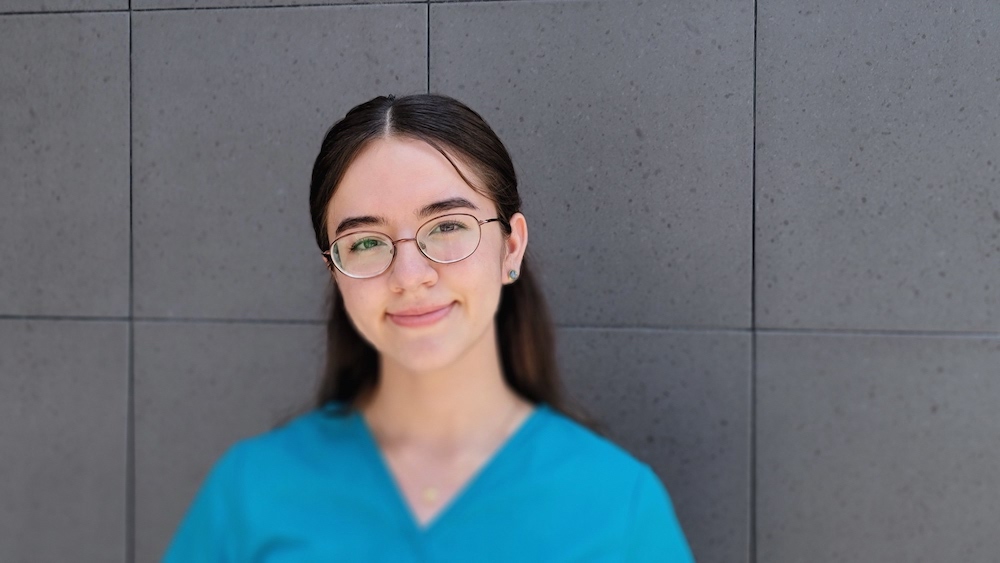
x=439 y=432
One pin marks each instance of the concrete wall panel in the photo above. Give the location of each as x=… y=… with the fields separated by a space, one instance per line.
x=63 y=417
x=680 y=401
x=877 y=448
x=631 y=126
x=878 y=165
x=230 y=110
x=64 y=179
x=198 y=388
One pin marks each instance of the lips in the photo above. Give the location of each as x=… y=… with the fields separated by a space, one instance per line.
x=420 y=316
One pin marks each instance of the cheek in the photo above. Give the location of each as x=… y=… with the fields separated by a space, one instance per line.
x=481 y=268
x=493 y=254
x=482 y=281
x=358 y=305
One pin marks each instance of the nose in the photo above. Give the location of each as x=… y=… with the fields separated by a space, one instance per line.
x=410 y=268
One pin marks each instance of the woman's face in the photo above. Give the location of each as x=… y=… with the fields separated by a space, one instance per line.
x=420 y=315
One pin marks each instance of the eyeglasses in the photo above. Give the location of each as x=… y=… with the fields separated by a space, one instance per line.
x=446 y=239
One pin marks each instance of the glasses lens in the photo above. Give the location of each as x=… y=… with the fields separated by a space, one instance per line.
x=449 y=238
x=362 y=254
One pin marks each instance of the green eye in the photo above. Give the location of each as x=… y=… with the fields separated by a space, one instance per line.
x=365 y=244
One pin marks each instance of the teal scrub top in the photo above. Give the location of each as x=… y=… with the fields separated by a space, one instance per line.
x=318 y=489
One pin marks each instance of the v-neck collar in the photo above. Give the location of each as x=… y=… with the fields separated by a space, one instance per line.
x=389 y=481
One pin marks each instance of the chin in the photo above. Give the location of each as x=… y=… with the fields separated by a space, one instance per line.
x=424 y=362
x=435 y=353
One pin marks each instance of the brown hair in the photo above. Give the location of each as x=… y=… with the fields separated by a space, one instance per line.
x=524 y=329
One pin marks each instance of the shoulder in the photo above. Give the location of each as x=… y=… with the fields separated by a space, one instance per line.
x=564 y=438
x=318 y=436
x=566 y=458
x=268 y=478
x=606 y=490
x=322 y=444
x=320 y=451
x=329 y=424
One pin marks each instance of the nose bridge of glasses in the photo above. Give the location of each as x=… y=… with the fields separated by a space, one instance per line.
x=409 y=267
x=420 y=246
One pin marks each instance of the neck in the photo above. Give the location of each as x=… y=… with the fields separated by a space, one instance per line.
x=445 y=409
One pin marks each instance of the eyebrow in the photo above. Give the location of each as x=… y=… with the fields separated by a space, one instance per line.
x=426 y=211
x=446 y=205
x=364 y=221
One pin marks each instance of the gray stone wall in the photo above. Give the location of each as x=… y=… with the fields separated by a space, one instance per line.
x=769 y=233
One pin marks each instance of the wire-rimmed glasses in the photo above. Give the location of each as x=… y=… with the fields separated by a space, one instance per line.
x=446 y=239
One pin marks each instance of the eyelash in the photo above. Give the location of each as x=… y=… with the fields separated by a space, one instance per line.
x=456 y=227
x=354 y=247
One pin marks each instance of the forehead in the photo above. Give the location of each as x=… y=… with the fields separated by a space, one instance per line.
x=395 y=178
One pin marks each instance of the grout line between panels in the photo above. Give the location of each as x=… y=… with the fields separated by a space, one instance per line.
x=204 y=8
x=788 y=332
x=428 y=46
x=990 y=335
x=752 y=473
x=254 y=7
x=752 y=462
x=192 y=320
x=280 y=6
x=60 y=318
x=63 y=12
x=180 y=320
x=652 y=328
x=130 y=413
x=467 y=2
x=876 y=332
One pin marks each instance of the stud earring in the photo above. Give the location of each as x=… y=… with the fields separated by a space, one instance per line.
x=512 y=275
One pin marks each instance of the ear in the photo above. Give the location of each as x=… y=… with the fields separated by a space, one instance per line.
x=329 y=268
x=514 y=247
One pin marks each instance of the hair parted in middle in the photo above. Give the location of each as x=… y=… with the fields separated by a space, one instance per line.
x=524 y=329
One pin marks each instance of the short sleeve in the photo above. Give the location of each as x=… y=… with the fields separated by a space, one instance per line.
x=210 y=528
x=655 y=533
